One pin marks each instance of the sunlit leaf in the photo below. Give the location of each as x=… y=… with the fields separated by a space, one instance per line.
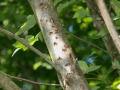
x=80 y=13
x=36 y=65
x=19 y=45
x=15 y=51
x=115 y=83
x=87 y=19
x=31 y=21
x=29 y=38
x=47 y=66
x=40 y=36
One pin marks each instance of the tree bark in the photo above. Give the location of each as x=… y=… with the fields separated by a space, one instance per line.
x=6 y=83
x=69 y=74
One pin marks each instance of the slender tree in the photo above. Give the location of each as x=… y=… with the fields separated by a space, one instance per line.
x=63 y=59
x=69 y=74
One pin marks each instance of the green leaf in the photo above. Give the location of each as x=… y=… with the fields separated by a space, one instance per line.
x=87 y=19
x=115 y=84
x=27 y=25
x=101 y=34
x=61 y=6
x=95 y=88
x=116 y=64
x=40 y=36
x=83 y=65
x=29 y=38
x=94 y=83
x=47 y=66
x=56 y=2
x=93 y=53
x=117 y=21
x=80 y=13
x=36 y=65
x=104 y=75
x=85 y=68
x=116 y=5
x=92 y=68
x=19 y=45
x=89 y=55
x=15 y=51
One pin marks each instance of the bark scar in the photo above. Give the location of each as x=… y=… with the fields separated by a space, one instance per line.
x=43 y=5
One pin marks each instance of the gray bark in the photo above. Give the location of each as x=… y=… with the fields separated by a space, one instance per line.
x=6 y=83
x=69 y=74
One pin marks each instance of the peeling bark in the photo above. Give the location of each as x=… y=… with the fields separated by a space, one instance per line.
x=69 y=74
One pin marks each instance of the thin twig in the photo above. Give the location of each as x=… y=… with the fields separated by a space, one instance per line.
x=87 y=42
x=29 y=81
x=27 y=45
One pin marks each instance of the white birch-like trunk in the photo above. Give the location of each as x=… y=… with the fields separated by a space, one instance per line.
x=69 y=74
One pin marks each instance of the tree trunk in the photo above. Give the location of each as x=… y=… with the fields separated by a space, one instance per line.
x=69 y=74
x=99 y=25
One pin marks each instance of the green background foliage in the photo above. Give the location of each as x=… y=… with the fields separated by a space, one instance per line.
x=17 y=60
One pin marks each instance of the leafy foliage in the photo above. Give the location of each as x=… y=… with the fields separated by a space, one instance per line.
x=31 y=21
x=29 y=38
x=85 y=68
x=81 y=13
x=74 y=15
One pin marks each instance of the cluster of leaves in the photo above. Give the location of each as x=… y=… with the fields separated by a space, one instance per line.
x=75 y=17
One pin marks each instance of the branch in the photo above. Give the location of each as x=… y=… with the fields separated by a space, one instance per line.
x=29 y=81
x=99 y=24
x=86 y=42
x=6 y=83
x=109 y=23
x=27 y=45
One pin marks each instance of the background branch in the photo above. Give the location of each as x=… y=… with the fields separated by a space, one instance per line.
x=99 y=25
x=109 y=23
x=86 y=42
x=6 y=83
x=30 y=81
x=27 y=45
